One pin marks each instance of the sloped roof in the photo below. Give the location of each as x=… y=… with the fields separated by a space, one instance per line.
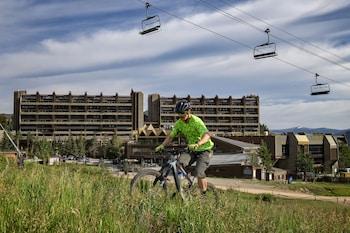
x=315 y=139
x=161 y=132
x=227 y=159
x=237 y=143
x=302 y=139
x=331 y=141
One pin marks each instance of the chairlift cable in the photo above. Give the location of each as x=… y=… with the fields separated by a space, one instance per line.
x=241 y=43
x=285 y=31
x=222 y=12
x=199 y=26
x=311 y=72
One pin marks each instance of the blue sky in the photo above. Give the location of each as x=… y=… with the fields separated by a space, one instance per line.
x=94 y=46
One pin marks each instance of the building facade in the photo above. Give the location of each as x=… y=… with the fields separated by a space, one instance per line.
x=87 y=115
x=285 y=149
x=101 y=115
x=222 y=116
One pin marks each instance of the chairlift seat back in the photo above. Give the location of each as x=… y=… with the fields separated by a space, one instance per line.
x=265 y=50
x=319 y=89
x=150 y=24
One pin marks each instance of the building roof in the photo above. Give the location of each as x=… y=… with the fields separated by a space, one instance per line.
x=302 y=139
x=243 y=145
x=229 y=159
x=315 y=139
x=331 y=141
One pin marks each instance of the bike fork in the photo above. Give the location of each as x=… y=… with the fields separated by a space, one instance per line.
x=177 y=179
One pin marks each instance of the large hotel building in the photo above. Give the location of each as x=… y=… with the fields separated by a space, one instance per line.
x=232 y=116
x=88 y=115
x=101 y=115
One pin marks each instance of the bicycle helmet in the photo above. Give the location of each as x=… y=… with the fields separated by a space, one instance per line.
x=182 y=106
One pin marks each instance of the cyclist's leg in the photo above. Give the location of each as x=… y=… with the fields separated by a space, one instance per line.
x=186 y=160
x=201 y=166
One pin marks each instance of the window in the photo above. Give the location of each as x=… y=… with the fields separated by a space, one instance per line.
x=285 y=150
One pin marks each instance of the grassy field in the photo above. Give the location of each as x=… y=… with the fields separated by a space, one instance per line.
x=89 y=199
x=317 y=188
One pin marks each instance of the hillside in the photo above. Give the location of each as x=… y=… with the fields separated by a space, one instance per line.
x=313 y=130
x=89 y=199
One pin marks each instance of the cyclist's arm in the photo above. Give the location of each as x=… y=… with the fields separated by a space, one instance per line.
x=205 y=138
x=203 y=130
x=167 y=140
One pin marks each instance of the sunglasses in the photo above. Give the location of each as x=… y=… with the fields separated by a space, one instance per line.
x=182 y=114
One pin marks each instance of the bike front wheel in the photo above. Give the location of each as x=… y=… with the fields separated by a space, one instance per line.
x=211 y=195
x=147 y=184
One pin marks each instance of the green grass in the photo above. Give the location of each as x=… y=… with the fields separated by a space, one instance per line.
x=317 y=188
x=89 y=199
x=323 y=188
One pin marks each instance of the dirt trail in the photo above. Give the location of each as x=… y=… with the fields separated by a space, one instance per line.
x=256 y=188
x=242 y=186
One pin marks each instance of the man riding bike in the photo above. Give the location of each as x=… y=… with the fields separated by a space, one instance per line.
x=198 y=139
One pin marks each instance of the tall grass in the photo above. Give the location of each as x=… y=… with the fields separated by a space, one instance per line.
x=88 y=199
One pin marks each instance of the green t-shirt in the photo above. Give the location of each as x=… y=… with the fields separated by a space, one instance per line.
x=193 y=130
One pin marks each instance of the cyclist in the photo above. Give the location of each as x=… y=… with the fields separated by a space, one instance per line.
x=198 y=141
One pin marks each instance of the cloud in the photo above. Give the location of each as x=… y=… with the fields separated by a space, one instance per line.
x=181 y=59
x=307 y=114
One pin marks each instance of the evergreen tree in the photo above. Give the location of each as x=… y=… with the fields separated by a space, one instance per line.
x=263 y=129
x=304 y=164
x=344 y=155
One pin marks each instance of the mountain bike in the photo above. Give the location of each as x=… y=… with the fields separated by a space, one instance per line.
x=158 y=184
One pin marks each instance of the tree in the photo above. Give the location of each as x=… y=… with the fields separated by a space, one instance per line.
x=304 y=163
x=43 y=149
x=254 y=161
x=5 y=122
x=114 y=147
x=263 y=129
x=344 y=155
x=6 y=144
x=29 y=140
x=92 y=147
x=69 y=146
x=18 y=138
x=266 y=157
x=102 y=151
x=80 y=146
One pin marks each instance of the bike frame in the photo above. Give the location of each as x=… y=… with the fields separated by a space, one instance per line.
x=173 y=166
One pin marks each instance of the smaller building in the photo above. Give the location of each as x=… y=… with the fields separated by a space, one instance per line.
x=286 y=148
x=230 y=166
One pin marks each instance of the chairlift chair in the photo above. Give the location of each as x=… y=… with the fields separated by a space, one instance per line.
x=265 y=50
x=150 y=23
x=320 y=88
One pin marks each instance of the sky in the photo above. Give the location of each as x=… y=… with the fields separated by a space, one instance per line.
x=95 y=46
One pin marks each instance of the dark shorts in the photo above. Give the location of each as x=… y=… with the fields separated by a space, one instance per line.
x=202 y=160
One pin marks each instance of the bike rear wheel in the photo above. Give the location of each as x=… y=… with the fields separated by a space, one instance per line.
x=147 y=184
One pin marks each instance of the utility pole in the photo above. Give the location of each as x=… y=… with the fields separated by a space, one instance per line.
x=20 y=158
